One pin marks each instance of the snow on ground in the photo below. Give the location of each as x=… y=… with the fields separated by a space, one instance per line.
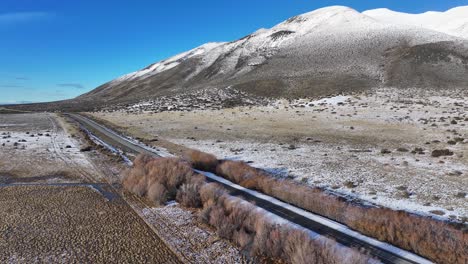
x=40 y=148
x=315 y=165
x=185 y=233
x=400 y=179
x=376 y=146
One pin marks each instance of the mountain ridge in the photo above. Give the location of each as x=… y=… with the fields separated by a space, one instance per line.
x=453 y=21
x=327 y=51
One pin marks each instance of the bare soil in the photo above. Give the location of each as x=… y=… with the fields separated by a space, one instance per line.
x=73 y=225
x=36 y=145
x=49 y=213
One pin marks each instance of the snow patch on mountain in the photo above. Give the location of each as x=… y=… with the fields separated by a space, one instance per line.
x=453 y=22
x=170 y=63
x=336 y=44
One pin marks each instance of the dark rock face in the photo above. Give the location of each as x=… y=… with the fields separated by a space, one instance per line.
x=437 y=65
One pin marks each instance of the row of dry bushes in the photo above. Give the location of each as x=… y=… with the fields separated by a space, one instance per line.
x=260 y=234
x=254 y=230
x=437 y=240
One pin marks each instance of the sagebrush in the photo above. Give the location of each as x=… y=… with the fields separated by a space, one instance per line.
x=254 y=230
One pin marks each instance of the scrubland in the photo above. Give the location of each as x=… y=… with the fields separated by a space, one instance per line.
x=376 y=146
x=256 y=231
x=342 y=157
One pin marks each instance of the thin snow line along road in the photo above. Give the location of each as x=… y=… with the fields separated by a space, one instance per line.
x=321 y=225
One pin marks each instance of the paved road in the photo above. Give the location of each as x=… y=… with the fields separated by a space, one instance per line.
x=382 y=251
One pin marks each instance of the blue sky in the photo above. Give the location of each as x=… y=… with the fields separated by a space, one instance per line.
x=58 y=49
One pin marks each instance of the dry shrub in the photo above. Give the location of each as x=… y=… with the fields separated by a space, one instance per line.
x=269 y=238
x=135 y=181
x=157 y=193
x=142 y=160
x=201 y=160
x=188 y=195
x=249 y=227
x=241 y=173
x=157 y=178
x=217 y=219
x=275 y=242
x=204 y=214
x=243 y=238
x=257 y=233
x=301 y=246
x=209 y=195
x=437 y=240
x=236 y=216
x=197 y=179
x=211 y=191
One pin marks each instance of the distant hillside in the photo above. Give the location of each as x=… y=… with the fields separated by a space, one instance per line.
x=327 y=51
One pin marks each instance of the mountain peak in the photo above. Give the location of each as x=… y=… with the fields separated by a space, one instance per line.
x=322 y=18
x=325 y=12
x=453 y=21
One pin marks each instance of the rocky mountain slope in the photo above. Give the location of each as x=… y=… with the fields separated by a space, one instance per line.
x=327 y=51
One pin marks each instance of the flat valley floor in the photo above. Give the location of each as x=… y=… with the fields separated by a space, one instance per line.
x=55 y=206
x=376 y=146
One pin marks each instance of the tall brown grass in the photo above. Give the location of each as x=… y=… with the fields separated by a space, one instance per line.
x=252 y=228
x=440 y=241
x=201 y=160
x=159 y=178
x=257 y=232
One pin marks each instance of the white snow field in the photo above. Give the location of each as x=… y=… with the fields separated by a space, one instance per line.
x=453 y=22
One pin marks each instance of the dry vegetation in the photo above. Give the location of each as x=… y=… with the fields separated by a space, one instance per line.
x=437 y=240
x=201 y=160
x=330 y=142
x=257 y=232
x=163 y=179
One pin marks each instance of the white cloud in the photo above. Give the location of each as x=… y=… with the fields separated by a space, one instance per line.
x=22 y=17
x=72 y=85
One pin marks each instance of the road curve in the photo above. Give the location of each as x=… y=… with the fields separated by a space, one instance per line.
x=386 y=253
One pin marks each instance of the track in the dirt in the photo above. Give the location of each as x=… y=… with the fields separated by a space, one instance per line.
x=57 y=151
x=375 y=249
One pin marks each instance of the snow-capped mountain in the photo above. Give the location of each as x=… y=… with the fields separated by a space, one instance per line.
x=453 y=22
x=169 y=63
x=329 y=50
